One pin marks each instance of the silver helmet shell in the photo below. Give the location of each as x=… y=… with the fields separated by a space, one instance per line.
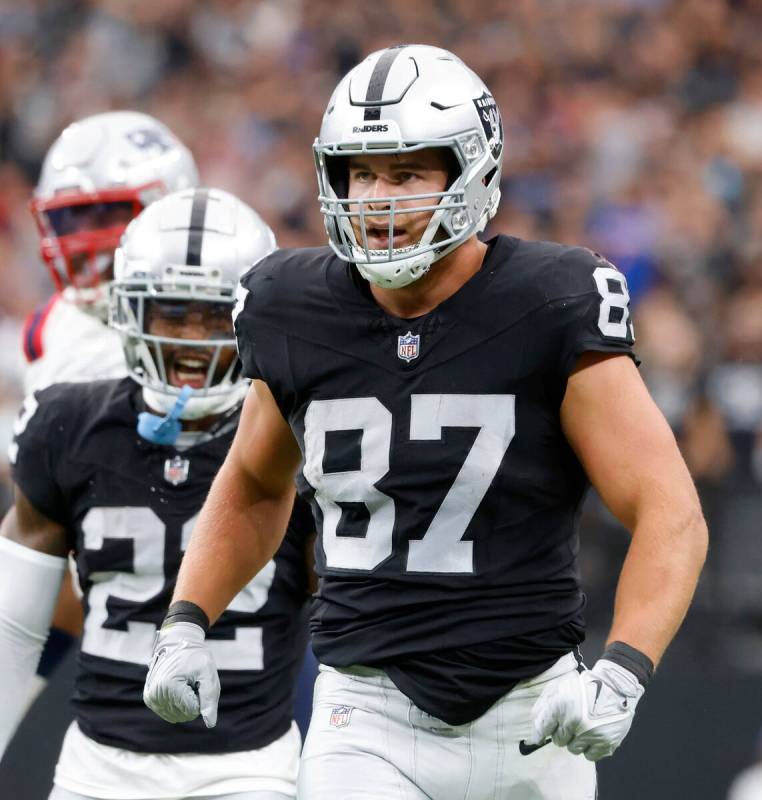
x=118 y=157
x=400 y=100
x=193 y=245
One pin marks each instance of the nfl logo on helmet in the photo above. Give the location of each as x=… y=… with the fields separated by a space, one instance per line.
x=407 y=346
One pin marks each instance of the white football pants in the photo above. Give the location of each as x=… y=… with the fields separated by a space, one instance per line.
x=62 y=794
x=87 y=770
x=368 y=741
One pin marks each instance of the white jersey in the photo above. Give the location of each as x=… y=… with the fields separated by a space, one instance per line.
x=62 y=344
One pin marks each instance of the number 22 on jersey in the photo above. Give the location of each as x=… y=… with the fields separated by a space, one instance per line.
x=145 y=581
x=441 y=550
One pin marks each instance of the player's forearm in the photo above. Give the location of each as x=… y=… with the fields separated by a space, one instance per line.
x=658 y=579
x=238 y=531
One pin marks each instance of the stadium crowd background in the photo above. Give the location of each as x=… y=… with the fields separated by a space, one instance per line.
x=632 y=126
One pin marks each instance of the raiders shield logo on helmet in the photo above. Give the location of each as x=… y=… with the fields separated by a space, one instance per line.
x=489 y=116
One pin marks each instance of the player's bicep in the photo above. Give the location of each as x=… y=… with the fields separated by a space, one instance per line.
x=623 y=440
x=265 y=449
x=27 y=526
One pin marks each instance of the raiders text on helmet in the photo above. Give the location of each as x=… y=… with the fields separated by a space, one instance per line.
x=400 y=100
x=189 y=247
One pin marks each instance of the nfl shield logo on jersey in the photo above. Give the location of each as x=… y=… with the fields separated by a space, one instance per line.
x=340 y=716
x=176 y=470
x=407 y=346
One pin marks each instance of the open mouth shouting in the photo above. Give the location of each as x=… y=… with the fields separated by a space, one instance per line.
x=190 y=367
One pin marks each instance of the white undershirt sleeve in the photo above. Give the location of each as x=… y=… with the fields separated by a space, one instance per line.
x=29 y=586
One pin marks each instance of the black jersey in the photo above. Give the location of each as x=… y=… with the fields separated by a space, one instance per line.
x=445 y=492
x=129 y=507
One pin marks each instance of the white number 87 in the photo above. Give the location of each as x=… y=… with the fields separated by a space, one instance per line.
x=441 y=550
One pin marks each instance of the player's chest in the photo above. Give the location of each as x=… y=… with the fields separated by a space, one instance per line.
x=128 y=556
x=437 y=450
x=483 y=416
x=427 y=356
x=120 y=496
x=412 y=391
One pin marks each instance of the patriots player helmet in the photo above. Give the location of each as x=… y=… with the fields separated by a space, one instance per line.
x=100 y=173
x=184 y=256
x=397 y=101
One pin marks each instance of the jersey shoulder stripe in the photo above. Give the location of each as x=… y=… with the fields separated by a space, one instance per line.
x=34 y=325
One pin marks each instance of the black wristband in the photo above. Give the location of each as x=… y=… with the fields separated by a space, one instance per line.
x=185 y=611
x=639 y=664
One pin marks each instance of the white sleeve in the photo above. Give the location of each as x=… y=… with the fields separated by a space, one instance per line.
x=29 y=586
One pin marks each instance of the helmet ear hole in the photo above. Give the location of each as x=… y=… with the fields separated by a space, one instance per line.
x=487 y=179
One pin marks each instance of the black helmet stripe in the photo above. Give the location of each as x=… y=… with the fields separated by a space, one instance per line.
x=196 y=230
x=377 y=81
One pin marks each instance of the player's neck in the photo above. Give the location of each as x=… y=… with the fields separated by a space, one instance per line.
x=444 y=278
x=201 y=424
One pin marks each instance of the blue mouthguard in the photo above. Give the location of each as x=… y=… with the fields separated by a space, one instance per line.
x=164 y=430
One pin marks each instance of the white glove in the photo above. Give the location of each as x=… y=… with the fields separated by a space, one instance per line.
x=182 y=679
x=587 y=712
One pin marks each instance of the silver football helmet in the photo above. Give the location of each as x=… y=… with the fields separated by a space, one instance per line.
x=185 y=251
x=399 y=100
x=101 y=172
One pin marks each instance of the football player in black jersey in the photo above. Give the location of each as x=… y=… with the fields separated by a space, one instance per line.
x=116 y=472
x=446 y=403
